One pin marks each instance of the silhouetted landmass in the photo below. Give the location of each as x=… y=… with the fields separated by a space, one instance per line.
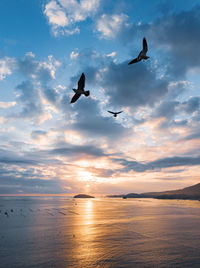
x=83 y=196
x=189 y=193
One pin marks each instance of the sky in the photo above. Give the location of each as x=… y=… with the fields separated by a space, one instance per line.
x=49 y=146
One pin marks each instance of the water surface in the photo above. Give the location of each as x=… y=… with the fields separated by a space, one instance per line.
x=66 y=232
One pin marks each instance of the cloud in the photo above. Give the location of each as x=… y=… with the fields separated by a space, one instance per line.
x=173 y=36
x=7 y=65
x=85 y=130
x=74 y=55
x=64 y=14
x=193 y=134
x=112 y=54
x=29 y=97
x=41 y=70
x=12 y=158
x=10 y=184
x=38 y=133
x=5 y=105
x=122 y=85
x=178 y=35
x=55 y=15
x=77 y=151
x=166 y=109
x=35 y=92
x=132 y=86
x=30 y=54
x=191 y=105
x=90 y=122
x=110 y=25
x=158 y=164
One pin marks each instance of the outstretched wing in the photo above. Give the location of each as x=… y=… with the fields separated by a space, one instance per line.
x=110 y=112
x=75 y=97
x=133 y=61
x=81 y=82
x=145 y=47
x=119 y=112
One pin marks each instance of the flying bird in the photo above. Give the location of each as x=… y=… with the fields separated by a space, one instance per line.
x=80 y=90
x=142 y=54
x=115 y=113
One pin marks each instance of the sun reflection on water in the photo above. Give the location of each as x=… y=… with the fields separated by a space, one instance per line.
x=88 y=216
x=86 y=250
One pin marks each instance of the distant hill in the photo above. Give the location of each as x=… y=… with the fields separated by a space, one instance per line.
x=83 y=196
x=191 y=193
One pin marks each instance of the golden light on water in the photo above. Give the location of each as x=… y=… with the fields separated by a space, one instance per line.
x=85 y=231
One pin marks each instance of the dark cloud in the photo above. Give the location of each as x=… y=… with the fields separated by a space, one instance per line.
x=179 y=35
x=175 y=35
x=90 y=121
x=27 y=66
x=50 y=95
x=128 y=86
x=14 y=185
x=28 y=95
x=156 y=165
x=166 y=109
x=167 y=123
x=33 y=69
x=193 y=134
x=37 y=85
x=101 y=172
x=77 y=150
x=13 y=158
x=192 y=105
x=132 y=86
x=23 y=172
x=17 y=161
x=38 y=133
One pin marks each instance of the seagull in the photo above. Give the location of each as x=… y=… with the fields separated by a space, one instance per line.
x=142 y=54
x=115 y=113
x=80 y=90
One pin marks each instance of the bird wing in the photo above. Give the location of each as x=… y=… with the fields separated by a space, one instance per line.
x=81 y=82
x=133 y=61
x=110 y=112
x=75 y=97
x=119 y=112
x=145 y=47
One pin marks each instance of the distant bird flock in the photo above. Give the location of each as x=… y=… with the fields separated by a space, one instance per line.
x=81 y=83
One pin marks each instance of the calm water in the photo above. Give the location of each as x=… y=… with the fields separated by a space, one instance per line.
x=61 y=232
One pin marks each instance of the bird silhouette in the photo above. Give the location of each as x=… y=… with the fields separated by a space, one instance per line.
x=115 y=113
x=80 y=90
x=142 y=54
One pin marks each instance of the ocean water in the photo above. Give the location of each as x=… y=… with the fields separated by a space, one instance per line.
x=66 y=232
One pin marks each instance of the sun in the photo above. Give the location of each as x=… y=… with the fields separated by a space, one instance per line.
x=85 y=176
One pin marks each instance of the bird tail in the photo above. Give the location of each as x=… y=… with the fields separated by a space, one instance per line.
x=87 y=93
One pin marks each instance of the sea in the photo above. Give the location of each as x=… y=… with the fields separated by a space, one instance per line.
x=100 y=232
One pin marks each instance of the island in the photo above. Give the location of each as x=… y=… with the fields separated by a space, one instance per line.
x=188 y=193
x=83 y=196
